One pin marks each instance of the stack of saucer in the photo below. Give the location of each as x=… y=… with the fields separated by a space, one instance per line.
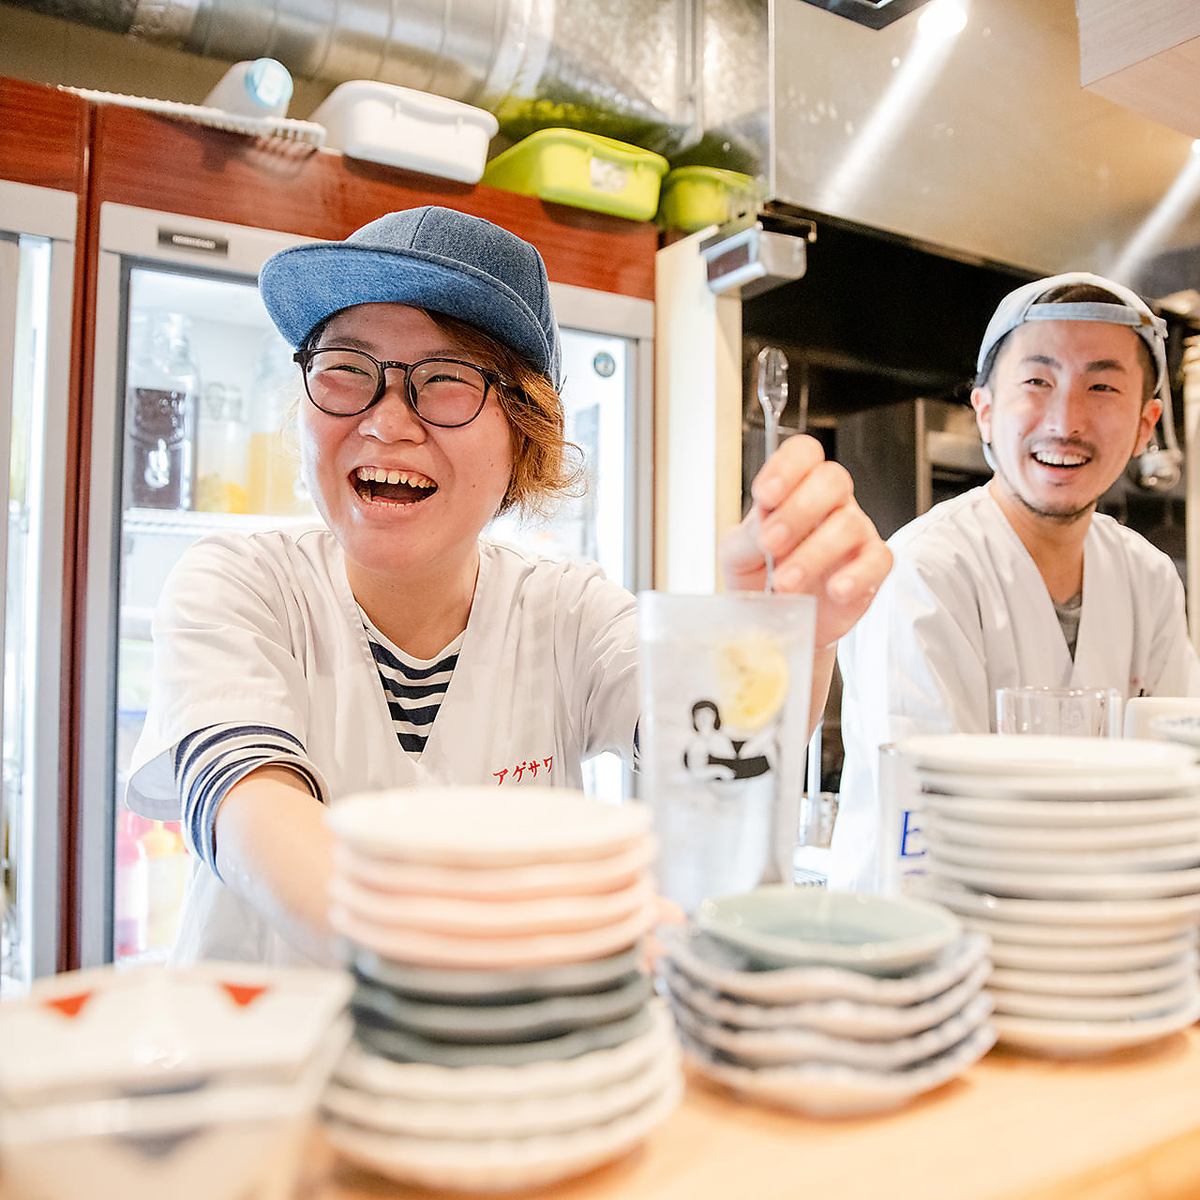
x=506 y=1032
x=830 y=1003
x=1080 y=858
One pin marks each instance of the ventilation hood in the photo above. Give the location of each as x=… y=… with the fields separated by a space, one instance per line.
x=980 y=142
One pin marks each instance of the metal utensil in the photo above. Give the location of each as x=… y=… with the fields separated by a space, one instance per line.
x=772 y=370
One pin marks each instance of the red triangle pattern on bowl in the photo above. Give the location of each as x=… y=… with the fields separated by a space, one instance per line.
x=243 y=994
x=69 y=1006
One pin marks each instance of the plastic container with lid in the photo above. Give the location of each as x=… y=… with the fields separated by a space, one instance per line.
x=586 y=170
x=696 y=197
x=401 y=127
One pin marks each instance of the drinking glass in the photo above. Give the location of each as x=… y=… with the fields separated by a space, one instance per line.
x=810 y=862
x=1067 y=712
x=725 y=690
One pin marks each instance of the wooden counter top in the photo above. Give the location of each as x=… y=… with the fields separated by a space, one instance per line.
x=1126 y=1127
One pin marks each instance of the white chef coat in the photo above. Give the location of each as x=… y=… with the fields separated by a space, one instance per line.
x=964 y=612
x=265 y=630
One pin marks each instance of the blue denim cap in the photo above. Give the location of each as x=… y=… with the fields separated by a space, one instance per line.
x=432 y=258
x=1022 y=305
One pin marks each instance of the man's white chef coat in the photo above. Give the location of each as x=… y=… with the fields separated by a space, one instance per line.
x=964 y=612
x=265 y=630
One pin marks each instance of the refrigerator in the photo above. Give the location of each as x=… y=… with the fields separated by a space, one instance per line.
x=192 y=433
x=37 y=270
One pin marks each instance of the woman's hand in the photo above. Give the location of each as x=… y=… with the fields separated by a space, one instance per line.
x=805 y=514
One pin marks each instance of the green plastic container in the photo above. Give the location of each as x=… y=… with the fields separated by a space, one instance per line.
x=694 y=197
x=569 y=166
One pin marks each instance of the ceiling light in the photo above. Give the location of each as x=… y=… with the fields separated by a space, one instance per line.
x=944 y=19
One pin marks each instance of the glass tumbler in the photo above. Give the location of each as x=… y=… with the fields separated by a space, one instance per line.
x=725 y=692
x=1064 y=712
x=810 y=862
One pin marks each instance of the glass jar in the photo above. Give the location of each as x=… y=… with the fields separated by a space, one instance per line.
x=162 y=393
x=222 y=451
x=273 y=476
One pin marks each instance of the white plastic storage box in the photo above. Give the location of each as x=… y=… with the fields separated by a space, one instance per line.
x=405 y=128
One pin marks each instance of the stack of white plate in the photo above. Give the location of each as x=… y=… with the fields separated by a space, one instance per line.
x=506 y=1032
x=1080 y=858
x=1180 y=727
x=829 y=1003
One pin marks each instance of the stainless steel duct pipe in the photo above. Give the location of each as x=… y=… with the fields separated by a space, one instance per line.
x=531 y=62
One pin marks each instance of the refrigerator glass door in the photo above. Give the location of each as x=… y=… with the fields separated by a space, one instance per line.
x=36 y=267
x=594 y=524
x=209 y=391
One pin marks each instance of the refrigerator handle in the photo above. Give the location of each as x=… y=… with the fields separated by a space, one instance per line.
x=10 y=268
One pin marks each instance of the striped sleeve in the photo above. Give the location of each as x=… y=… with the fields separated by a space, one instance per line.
x=210 y=761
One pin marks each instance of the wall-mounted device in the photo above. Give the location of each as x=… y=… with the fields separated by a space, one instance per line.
x=752 y=255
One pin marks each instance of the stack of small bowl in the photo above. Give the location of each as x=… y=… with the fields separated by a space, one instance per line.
x=830 y=1003
x=1080 y=858
x=506 y=1031
x=198 y=1082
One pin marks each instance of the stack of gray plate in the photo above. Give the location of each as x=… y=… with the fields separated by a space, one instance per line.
x=830 y=1003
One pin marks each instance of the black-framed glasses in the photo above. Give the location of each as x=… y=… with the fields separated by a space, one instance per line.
x=446 y=392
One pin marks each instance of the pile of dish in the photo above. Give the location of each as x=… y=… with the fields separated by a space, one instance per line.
x=1181 y=727
x=831 y=1003
x=1080 y=858
x=149 y=1082
x=506 y=1032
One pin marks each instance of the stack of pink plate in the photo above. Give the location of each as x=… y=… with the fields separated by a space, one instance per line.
x=506 y=1031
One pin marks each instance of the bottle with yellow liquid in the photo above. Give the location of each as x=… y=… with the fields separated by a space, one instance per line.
x=273 y=482
x=221 y=462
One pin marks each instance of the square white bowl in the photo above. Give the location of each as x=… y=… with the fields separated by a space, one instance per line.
x=147 y=1029
x=214 y=1143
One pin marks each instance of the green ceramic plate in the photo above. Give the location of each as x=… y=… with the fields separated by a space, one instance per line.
x=401 y=1046
x=500 y=1023
x=784 y=927
x=494 y=986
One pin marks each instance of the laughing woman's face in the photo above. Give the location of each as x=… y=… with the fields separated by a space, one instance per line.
x=401 y=495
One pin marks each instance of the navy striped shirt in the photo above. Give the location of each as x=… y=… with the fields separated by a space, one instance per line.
x=414 y=687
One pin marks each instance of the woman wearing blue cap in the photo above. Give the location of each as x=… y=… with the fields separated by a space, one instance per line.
x=397 y=646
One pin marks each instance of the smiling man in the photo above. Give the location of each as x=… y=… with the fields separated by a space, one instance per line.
x=1021 y=582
